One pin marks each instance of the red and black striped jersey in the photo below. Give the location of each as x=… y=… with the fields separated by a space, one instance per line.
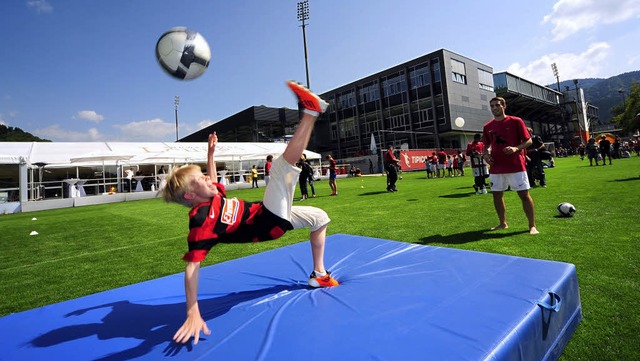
x=230 y=220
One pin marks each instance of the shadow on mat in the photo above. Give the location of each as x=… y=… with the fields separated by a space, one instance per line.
x=466 y=237
x=153 y=325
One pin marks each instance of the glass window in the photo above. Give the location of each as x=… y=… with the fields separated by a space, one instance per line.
x=485 y=80
x=459 y=72
x=394 y=85
x=369 y=93
x=419 y=76
x=347 y=100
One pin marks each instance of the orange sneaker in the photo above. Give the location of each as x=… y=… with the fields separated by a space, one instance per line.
x=324 y=281
x=312 y=103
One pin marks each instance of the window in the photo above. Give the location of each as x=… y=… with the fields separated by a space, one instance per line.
x=485 y=80
x=346 y=100
x=397 y=121
x=394 y=85
x=458 y=72
x=369 y=93
x=419 y=76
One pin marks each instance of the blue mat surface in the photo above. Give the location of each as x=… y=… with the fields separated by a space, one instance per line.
x=396 y=301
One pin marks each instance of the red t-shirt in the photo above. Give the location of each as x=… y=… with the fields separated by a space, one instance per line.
x=230 y=220
x=498 y=135
x=442 y=157
x=267 y=169
x=474 y=151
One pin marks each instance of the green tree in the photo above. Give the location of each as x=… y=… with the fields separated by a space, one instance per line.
x=629 y=119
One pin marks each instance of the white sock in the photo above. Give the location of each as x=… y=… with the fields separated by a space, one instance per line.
x=318 y=274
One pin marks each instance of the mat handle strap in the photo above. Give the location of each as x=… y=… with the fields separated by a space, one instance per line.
x=554 y=304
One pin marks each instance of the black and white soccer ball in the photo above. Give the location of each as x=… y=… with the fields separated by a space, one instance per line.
x=183 y=53
x=566 y=209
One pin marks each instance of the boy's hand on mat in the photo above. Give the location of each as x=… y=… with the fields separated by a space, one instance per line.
x=191 y=327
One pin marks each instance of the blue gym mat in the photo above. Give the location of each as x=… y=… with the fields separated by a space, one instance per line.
x=396 y=301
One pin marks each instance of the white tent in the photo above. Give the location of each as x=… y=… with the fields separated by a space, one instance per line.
x=59 y=154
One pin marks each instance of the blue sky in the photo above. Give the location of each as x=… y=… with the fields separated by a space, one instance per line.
x=82 y=70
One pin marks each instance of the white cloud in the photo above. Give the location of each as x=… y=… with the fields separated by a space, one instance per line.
x=55 y=133
x=2 y=122
x=588 y=64
x=89 y=115
x=204 y=123
x=146 y=130
x=40 y=6
x=571 y=16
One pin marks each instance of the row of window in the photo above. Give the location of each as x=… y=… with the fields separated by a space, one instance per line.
x=419 y=76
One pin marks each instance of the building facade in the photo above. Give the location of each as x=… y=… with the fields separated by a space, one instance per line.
x=413 y=105
x=254 y=124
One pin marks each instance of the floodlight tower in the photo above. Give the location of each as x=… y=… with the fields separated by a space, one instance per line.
x=303 y=16
x=579 y=111
x=564 y=127
x=176 y=102
x=555 y=73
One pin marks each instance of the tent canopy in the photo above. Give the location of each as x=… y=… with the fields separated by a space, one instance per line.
x=62 y=153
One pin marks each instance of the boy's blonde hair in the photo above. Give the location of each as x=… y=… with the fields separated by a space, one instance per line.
x=179 y=183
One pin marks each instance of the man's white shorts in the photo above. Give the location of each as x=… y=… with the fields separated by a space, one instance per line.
x=278 y=198
x=516 y=181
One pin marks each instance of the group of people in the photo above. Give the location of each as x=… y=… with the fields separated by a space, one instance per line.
x=214 y=218
x=440 y=163
x=598 y=151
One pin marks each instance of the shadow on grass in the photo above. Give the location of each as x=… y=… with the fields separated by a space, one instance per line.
x=458 y=195
x=471 y=236
x=626 y=179
x=373 y=193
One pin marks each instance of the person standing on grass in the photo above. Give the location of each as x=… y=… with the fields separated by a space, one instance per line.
x=214 y=218
x=333 y=166
x=475 y=149
x=267 y=169
x=254 y=177
x=390 y=165
x=534 y=160
x=505 y=138
x=605 y=149
x=592 y=151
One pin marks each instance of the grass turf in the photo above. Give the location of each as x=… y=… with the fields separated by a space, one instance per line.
x=85 y=250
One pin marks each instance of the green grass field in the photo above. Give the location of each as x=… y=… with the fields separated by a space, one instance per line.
x=85 y=250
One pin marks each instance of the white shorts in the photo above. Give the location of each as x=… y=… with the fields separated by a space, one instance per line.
x=516 y=181
x=278 y=198
x=440 y=166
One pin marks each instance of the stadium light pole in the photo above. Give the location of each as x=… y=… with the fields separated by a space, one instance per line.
x=176 y=102
x=554 y=67
x=578 y=109
x=564 y=127
x=303 y=16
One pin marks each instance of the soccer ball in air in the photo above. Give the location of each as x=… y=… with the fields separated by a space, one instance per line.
x=183 y=54
x=566 y=209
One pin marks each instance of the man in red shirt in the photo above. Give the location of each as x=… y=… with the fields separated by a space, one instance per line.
x=442 y=159
x=505 y=138
x=267 y=169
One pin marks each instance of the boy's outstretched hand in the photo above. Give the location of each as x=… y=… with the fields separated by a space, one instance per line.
x=191 y=327
x=213 y=140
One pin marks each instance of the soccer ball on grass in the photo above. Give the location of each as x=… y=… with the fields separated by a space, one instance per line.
x=566 y=209
x=183 y=53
